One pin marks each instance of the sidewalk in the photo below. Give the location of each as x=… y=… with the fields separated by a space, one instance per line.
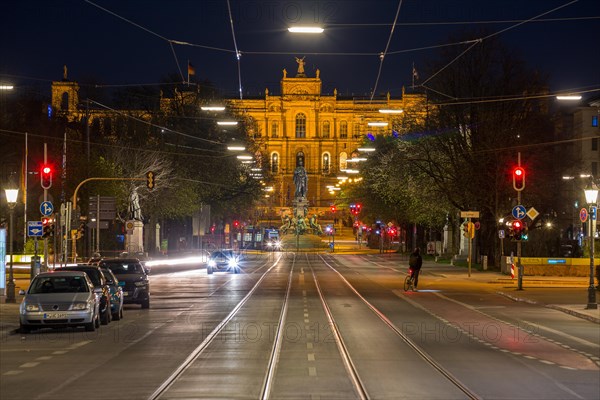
x=9 y=312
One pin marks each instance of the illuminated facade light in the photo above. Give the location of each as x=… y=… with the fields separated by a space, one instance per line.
x=227 y=123
x=380 y=123
x=212 y=108
x=305 y=29
x=390 y=111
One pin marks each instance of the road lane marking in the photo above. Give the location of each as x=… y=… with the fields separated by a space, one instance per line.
x=43 y=358
x=58 y=352
x=29 y=365
x=309 y=346
x=311 y=356
x=12 y=372
x=312 y=371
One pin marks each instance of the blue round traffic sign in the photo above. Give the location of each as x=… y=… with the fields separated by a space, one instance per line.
x=46 y=208
x=519 y=212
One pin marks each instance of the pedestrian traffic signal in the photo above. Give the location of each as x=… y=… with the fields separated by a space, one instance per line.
x=519 y=179
x=46 y=176
x=517 y=228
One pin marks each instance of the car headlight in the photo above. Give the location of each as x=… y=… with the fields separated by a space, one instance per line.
x=270 y=244
x=277 y=244
x=140 y=283
x=32 y=307
x=79 y=306
x=232 y=262
x=212 y=263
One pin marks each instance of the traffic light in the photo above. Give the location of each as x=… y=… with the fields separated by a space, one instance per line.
x=236 y=224
x=519 y=179
x=46 y=176
x=81 y=230
x=333 y=208
x=358 y=207
x=353 y=209
x=45 y=227
x=150 y=180
x=517 y=228
x=465 y=229
x=525 y=233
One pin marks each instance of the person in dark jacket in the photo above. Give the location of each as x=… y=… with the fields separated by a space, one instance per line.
x=415 y=262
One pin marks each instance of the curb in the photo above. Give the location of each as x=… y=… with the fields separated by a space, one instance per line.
x=553 y=306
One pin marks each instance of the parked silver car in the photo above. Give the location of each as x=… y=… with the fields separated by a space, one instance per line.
x=60 y=299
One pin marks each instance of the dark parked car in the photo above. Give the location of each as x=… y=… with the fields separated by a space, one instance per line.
x=116 y=294
x=99 y=281
x=59 y=299
x=223 y=260
x=133 y=278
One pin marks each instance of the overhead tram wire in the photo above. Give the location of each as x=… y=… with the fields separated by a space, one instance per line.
x=480 y=40
x=237 y=52
x=156 y=126
x=382 y=56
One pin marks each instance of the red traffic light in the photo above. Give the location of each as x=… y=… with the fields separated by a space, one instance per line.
x=519 y=179
x=236 y=224
x=46 y=177
x=333 y=209
x=45 y=221
x=517 y=225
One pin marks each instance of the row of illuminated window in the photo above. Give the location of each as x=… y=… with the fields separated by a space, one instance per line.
x=325 y=166
x=326 y=129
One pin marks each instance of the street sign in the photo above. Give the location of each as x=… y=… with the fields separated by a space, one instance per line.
x=519 y=212
x=469 y=214
x=34 y=229
x=46 y=208
x=593 y=212
x=583 y=214
x=532 y=213
x=501 y=234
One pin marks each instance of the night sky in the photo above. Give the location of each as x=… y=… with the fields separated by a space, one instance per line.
x=118 y=42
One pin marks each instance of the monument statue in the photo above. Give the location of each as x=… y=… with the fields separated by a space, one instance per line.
x=135 y=211
x=301 y=181
x=301 y=63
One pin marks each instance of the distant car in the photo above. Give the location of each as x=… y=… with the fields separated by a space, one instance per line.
x=133 y=278
x=99 y=281
x=116 y=294
x=60 y=299
x=273 y=244
x=223 y=260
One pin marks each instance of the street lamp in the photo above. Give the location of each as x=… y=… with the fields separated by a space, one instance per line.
x=11 y=199
x=591 y=196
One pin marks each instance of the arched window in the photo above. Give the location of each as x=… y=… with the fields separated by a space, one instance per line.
x=326 y=163
x=326 y=129
x=275 y=129
x=300 y=125
x=356 y=133
x=343 y=160
x=64 y=101
x=343 y=130
x=274 y=162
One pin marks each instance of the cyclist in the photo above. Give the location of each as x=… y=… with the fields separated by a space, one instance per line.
x=415 y=262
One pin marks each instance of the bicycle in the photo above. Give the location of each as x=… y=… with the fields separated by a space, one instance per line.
x=409 y=283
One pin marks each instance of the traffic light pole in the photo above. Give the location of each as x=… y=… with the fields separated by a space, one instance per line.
x=45 y=265
x=74 y=245
x=519 y=265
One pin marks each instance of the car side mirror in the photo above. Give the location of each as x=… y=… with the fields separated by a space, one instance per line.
x=147 y=271
x=21 y=292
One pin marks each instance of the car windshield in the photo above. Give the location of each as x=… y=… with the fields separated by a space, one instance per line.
x=59 y=284
x=222 y=254
x=92 y=273
x=124 y=268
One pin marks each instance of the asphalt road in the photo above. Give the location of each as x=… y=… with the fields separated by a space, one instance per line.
x=317 y=326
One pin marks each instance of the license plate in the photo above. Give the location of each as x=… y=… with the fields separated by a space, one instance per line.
x=55 y=315
x=125 y=293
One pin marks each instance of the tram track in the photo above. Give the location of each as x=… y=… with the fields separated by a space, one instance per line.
x=423 y=354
